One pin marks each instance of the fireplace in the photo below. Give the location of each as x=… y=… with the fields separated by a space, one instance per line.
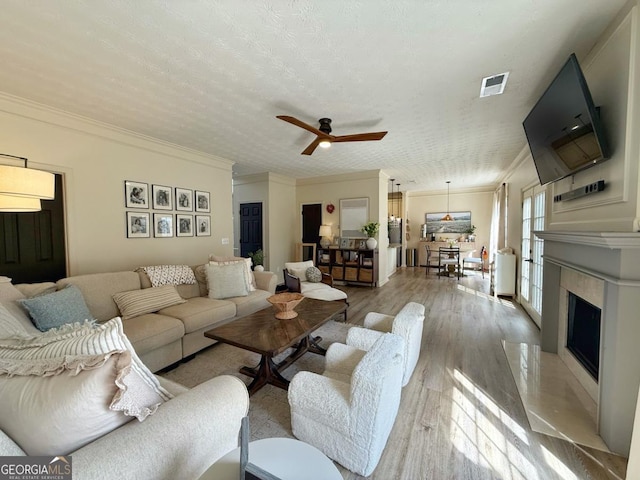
x=602 y=269
x=583 y=333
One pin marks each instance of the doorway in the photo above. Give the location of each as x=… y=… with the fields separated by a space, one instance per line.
x=250 y=228
x=533 y=218
x=311 y=221
x=34 y=244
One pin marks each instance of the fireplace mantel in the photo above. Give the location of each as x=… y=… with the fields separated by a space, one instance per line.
x=613 y=257
x=612 y=240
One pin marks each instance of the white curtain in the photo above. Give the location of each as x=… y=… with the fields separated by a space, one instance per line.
x=497 y=239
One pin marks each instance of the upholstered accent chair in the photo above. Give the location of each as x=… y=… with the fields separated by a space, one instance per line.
x=295 y=279
x=407 y=323
x=348 y=411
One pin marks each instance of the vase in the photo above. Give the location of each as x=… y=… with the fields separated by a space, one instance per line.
x=258 y=268
x=371 y=243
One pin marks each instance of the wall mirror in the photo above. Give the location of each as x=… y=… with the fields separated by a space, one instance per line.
x=354 y=214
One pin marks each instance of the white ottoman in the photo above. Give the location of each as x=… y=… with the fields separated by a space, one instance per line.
x=286 y=458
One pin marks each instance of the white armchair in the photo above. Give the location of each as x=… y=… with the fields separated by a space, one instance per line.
x=407 y=323
x=349 y=410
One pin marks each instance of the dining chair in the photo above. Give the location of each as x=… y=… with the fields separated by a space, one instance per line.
x=475 y=261
x=430 y=260
x=449 y=256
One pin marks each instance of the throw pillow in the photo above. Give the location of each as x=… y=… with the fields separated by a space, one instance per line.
x=49 y=354
x=58 y=413
x=58 y=308
x=226 y=280
x=160 y=275
x=313 y=274
x=299 y=269
x=10 y=326
x=249 y=278
x=9 y=295
x=147 y=300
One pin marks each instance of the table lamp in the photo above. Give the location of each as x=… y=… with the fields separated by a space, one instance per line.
x=325 y=233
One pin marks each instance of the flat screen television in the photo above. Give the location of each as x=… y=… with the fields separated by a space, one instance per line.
x=564 y=129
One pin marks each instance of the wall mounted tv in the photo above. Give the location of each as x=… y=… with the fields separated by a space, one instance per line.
x=564 y=129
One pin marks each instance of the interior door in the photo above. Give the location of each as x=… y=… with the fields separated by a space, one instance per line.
x=533 y=218
x=311 y=221
x=33 y=244
x=250 y=228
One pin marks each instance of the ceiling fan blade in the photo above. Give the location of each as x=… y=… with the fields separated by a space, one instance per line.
x=301 y=124
x=359 y=137
x=312 y=146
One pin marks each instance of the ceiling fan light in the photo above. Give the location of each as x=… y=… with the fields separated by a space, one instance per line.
x=324 y=143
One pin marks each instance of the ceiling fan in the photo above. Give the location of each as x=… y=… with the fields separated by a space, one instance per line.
x=324 y=138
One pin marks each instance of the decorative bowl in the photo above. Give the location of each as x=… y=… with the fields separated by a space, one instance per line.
x=284 y=303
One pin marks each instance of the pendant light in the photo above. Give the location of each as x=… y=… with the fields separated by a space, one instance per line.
x=392 y=217
x=447 y=217
x=399 y=216
x=22 y=188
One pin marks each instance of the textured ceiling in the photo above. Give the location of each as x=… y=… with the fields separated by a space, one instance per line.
x=212 y=76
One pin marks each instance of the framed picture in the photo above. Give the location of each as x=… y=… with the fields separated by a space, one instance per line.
x=461 y=222
x=137 y=225
x=136 y=194
x=184 y=199
x=162 y=225
x=203 y=226
x=354 y=213
x=184 y=225
x=161 y=197
x=203 y=202
x=344 y=242
x=362 y=244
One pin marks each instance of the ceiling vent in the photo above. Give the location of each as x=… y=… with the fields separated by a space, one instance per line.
x=493 y=85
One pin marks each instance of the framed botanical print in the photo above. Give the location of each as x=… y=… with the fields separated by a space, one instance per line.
x=137 y=225
x=184 y=224
x=184 y=199
x=162 y=225
x=203 y=226
x=161 y=197
x=203 y=201
x=136 y=194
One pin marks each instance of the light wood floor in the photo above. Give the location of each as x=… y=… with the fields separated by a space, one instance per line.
x=461 y=416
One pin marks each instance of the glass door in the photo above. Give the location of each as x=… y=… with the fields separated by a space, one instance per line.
x=533 y=218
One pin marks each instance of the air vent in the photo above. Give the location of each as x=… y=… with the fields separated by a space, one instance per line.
x=493 y=85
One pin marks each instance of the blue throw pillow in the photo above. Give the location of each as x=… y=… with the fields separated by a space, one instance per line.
x=58 y=308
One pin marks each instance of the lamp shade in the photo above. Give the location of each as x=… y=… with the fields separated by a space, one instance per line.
x=325 y=231
x=26 y=182
x=9 y=203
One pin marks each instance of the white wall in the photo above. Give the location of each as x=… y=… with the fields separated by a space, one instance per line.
x=95 y=160
x=478 y=202
x=330 y=189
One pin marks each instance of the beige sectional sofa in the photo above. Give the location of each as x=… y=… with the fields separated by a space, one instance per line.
x=173 y=333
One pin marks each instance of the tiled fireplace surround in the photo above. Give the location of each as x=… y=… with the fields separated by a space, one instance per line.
x=604 y=269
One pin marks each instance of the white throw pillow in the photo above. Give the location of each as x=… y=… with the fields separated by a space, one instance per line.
x=59 y=413
x=146 y=300
x=299 y=269
x=47 y=354
x=248 y=274
x=226 y=280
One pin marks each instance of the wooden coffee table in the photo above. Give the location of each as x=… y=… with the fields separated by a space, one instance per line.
x=263 y=333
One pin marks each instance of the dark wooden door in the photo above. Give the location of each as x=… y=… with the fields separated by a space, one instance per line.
x=32 y=245
x=311 y=220
x=250 y=228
